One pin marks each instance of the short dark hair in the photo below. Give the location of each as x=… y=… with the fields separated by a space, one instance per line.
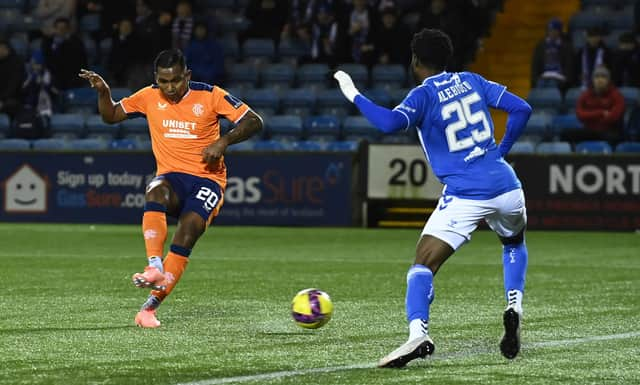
x=169 y=58
x=433 y=48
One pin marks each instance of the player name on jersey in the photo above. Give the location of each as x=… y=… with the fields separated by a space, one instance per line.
x=453 y=91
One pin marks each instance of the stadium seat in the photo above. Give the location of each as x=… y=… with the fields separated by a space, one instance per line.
x=230 y=48
x=88 y=144
x=562 y=123
x=67 y=126
x=523 y=148
x=359 y=128
x=313 y=75
x=578 y=39
x=571 y=98
x=135 y=128
x=299 y=101
x=118 y=93
x=358 y=73
x=388 y=76
x=90 y=22
x=144 y=144
x=258 y=49
x=398 y=94
x=332 y=102
x=343 y=145
x=379 y=96
x=545 y=98
x=620 y=20
x=593 y=147
x=270 y=145
x=5 y=125
x=290 y=50
x=307 y=145
x=91 y=48
x=322 y=128
x=631 y=95
x=218 y=3
x=123 y=144
x=553 y=148
x=50 y=144
x=588 y=19
x=628 y=147
x=247 y=145
x=243 y=75
x=284 y=127
x=14 y=144
x=399 y=137
x=280 y=75
x=538 y=124
x=97 y=129
x=81 y=100
x=20 y=44
x=16 y=4
x=266 y=100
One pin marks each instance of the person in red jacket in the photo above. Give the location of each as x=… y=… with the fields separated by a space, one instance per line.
x=600 y=108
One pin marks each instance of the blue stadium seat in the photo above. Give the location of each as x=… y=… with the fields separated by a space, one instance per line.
x=400 y=137
x=81 y=100
x=91 y=48
x=270 y=145
x=290 y=50
x=343 y=145
x=243 y=75
x=97 y=129
x=571 y=98
x=135 y=128
x=247 y=145
x=118 y=93
x=578 y=39
x=322 y=128
x=621 y=20
x=123 y=144
x=144 y=144
x=230 y=47
x=219 y=3
x=523 y=148
x=265 y=100
x=281 y=75
x=332 y=102
x=588 y=19
x=5 y=125
x=398 y=94
x=258 y=48
x=631 y=95
x=16 y=4
x=359 y=128
x=20 y=44
x=358 y=73
x=313 y=75
x=388 y=76
x=628 y=147
x=14 y=144
x=90 y=22
x=307 y=145
x=285 y=127
x=593 y=147
x=538 y=124
x=562 y=123
x=67 y=126
x=88 y=144
x=379 y=96
x=546 y=98
x=299 y=101
x=553 y=148
x=50 y=144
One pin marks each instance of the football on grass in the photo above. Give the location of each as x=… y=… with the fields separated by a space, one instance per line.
x=311 y=308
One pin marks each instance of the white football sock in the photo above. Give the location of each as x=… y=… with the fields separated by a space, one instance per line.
x=418 y=328
x=157 y=263
x=515 y=300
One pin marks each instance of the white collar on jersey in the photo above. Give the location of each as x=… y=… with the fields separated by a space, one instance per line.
x=433 y=77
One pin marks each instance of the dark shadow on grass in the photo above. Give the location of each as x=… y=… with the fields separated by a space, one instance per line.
x=45 y=330
x=300 y=333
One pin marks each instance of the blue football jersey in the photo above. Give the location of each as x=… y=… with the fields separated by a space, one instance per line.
x=451 y=114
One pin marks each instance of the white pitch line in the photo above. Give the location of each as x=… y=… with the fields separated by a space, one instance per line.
x=302 y=372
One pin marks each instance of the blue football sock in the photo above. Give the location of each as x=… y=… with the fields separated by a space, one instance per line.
x=514 y=262
x=419 y=292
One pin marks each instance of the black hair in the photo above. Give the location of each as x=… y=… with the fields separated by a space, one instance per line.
x=169 y=58
x=432 y=48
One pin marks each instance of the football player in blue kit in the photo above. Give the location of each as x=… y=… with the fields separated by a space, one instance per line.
x=450 y=111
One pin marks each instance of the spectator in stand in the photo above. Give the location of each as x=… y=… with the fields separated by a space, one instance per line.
x=626 y=62
x=594 y=54
x=182 y=25
x=442 y=15
x=267 y=18
x=124 y=49
x=12 y=70
x=64 y=55
x=325 y=37
x=112 y=13
x=205 y=56
x=361 y=21
x=298 y=25
x=49 y=11
x=552 y=61
x=33 y=119
x=600 y=108
x=386 y=36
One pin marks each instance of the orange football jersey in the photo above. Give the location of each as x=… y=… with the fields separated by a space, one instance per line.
x=181 y=131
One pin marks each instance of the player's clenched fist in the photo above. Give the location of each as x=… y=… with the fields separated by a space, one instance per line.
x=94 y=79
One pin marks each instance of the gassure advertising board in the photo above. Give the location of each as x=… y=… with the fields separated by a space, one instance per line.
x=263 y=189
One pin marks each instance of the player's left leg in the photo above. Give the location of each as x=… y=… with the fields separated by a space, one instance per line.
x=509 y=222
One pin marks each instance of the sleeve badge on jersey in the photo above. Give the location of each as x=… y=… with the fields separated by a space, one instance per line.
x=235 y=102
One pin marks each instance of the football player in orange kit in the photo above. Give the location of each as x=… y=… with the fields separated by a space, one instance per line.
x=189 y=151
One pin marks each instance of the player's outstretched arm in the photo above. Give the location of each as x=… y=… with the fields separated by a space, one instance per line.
x=519 y=111
x=110 y=111
x=383 y=118
x=248 y=126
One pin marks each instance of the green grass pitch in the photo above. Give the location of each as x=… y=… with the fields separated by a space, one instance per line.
x=67 y=306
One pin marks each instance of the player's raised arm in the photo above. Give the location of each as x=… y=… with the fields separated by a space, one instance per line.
x=110 y=111
x=248 y=126
x=383 y=118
